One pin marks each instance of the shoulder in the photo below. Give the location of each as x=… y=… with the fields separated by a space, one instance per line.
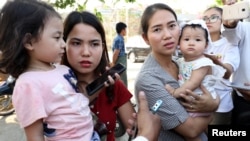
x=202 y=62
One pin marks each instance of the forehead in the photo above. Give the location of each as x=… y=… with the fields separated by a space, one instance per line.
x=84 y=31
x=193 y=31
x=53 y=24
x=211 y=12
x=161 y=17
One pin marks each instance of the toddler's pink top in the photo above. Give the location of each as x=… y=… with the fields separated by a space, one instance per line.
x=49 y=96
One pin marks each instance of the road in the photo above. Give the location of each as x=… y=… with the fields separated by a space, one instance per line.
x=9 y=127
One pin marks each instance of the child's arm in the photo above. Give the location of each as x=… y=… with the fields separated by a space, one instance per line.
x=34 y=132
x=194 y=82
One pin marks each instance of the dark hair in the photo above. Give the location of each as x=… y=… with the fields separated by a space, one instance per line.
x=21 y=21
x=194 y=26
x=149 y=12
x=90 y=19
x=215 y=8
x=120 y=26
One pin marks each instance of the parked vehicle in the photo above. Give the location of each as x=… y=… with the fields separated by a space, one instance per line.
x=6 y=89
x=137 y=49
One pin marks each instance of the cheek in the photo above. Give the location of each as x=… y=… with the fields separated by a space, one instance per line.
x=72 y=55
x=153 y=39
x=97 y=55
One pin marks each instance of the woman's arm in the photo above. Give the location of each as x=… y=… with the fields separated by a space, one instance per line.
x=125 y=112
x=193 y=126
x=34 y=132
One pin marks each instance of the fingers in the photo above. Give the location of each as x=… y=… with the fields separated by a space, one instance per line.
x=247 y=84
x=117 y=76
x=228 y=2
x=189 y=96
x=143 y=105
x=107 y=68
x=169 y=88
x=204 y=90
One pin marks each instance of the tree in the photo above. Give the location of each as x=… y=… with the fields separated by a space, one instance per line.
x=62 y=4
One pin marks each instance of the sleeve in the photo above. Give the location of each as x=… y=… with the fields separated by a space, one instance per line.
x=232 y=56
x=122 y=94
x=234 y=35
x=171 y=111
x=28 y=103
x=202 y=62
x=140 y=138
x=119 y=44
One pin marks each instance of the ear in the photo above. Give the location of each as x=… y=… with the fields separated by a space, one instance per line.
x=144 y=36
x=27 y=41
x=206 y=45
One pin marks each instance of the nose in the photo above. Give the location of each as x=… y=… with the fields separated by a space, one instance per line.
x=167 y=34
x=63 y=45
x=85 y=50
x=191 y=42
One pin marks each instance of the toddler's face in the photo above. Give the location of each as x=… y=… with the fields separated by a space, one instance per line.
x=193 y=42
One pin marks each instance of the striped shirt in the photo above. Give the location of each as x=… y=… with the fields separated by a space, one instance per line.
x=152 y=79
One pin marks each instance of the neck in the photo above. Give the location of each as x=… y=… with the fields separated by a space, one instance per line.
x=85 y=78
x=215 y=36
x=163 y=60
x=41 y=68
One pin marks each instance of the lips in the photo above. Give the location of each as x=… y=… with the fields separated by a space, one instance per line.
x=190 y=49
x=85 y=63
x=169 y=45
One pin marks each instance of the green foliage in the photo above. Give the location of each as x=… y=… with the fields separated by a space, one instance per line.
x=63 y=3
x=98 y=14
x=131 y=1
x=219 y=2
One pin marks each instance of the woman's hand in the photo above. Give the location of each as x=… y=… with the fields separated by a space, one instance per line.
x=228 y=2
x=245 y=93
x=111 y=81
x=214 y=58
x=148 y=124
x=200 y=103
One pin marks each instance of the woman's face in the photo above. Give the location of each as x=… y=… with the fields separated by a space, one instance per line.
x=213 y=20
x=84 y=48
x=163 y=33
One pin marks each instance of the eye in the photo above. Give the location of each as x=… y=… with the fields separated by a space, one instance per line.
x=205 y=18
x=75 y=43
x=157 y=29
x=213 y=17
x=172 y=26
x=95 y=44
x=57 y=37
x=198 y=40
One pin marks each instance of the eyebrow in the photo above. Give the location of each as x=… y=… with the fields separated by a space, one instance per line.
x=212 y=15
x=158 y=25
x=80 y=40
x=77 y=39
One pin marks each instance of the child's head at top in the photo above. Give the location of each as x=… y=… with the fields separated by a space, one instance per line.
x=30 y=36
x=194 y=39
